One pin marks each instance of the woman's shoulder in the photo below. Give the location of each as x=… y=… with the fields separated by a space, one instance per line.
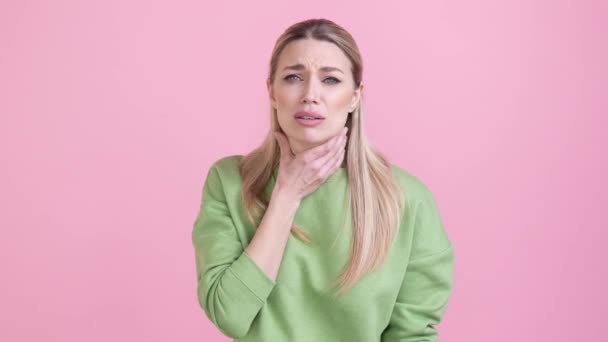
x=225 y=171
x=227 y=164
x=413 y=186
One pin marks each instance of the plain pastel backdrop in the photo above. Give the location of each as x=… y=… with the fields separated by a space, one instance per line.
x=112 y=112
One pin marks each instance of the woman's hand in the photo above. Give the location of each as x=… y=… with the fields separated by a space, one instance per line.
x=301 y=174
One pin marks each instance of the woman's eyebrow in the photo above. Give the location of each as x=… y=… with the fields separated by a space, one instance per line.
x=302 y=67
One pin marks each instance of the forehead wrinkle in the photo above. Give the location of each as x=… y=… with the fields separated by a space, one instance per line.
x=300 y=66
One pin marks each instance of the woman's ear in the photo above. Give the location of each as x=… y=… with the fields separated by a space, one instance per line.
x=270 y=94
x=356 y=98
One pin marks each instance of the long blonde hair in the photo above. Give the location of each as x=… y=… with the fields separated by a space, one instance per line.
x=377 y=199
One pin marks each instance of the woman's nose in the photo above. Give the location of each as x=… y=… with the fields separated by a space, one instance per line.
x=310 y=92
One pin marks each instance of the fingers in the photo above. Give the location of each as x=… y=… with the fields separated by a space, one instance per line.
x=333 y=160
x=326 y=148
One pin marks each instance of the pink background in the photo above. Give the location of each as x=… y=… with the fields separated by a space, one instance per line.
x=112 y=112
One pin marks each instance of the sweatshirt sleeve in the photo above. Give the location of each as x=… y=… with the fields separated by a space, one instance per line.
x=427 y=285
x=231 y=287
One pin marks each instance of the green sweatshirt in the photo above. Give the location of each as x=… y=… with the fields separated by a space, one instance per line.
x=401 y=301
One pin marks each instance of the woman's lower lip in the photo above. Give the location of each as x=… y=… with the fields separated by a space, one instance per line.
x=309 y=122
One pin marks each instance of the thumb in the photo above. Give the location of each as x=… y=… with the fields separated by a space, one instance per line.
x=283 y=144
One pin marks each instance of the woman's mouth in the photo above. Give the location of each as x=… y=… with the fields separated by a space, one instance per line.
x=309 y=121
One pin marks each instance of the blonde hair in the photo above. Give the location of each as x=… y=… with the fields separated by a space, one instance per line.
x=377 y=199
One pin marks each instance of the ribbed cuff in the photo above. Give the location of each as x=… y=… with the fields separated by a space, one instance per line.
x=252 y=276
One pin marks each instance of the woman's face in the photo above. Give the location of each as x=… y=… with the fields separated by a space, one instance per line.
x=303 y=82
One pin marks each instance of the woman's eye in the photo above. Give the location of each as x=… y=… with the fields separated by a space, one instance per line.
x=333 y=80
x=288 y=77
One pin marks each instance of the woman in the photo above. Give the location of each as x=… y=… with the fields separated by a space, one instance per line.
x=314 y=175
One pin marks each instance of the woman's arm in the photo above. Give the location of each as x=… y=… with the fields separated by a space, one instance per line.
x=268 y=244
x=234 y=282
x=298 y=176
x=233 y=286
x=428 y=281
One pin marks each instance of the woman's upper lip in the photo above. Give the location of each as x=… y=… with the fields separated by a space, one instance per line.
x=313 y=114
